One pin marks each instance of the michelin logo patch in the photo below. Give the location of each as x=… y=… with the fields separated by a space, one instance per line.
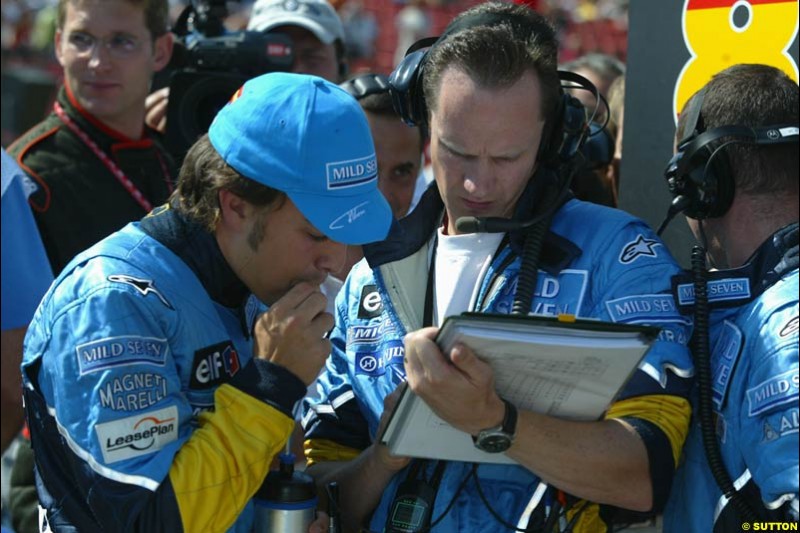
x=644 y=308
x=779 y=390
x=351 y=173
x=718 y=290
x=640 y=247
x=120 y=351
x=369 y=334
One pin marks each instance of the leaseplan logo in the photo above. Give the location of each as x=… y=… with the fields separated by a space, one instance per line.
x=137 y=435
x=351 y=173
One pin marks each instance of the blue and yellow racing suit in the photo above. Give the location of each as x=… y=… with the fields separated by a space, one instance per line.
x=146 y=409
x=596 y=263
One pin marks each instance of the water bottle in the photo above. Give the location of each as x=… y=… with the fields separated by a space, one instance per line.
x=287 y=501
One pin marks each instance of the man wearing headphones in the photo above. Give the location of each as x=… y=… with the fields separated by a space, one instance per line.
x=493 y=100
x=735 y=178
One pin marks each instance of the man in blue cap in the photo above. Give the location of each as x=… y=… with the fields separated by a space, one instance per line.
x=157 y=390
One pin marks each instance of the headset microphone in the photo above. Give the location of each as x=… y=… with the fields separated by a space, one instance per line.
x=679 y=204
x=491 y=224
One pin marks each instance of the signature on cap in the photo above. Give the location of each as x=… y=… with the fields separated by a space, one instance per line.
x=351 y=215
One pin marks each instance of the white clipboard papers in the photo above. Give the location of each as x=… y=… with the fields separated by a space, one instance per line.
x=559 y=366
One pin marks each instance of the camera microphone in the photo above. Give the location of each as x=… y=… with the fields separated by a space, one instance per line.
x=491 y=224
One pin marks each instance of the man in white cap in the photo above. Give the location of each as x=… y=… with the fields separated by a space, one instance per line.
x=156 y=389
x=317 y=36
x=315 y=29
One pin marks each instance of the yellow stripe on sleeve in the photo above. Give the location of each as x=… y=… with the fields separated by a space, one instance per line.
x=225 y=461
x=324 y=450
x=670 y=413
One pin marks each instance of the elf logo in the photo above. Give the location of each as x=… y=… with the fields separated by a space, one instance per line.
x=370 y=306
x=214 y=365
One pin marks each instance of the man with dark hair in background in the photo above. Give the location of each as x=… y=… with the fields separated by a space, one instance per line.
x=157 y=391
x=743 y=206
x=398 y=147
x=492 y=94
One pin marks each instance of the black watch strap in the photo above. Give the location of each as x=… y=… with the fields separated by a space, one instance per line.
x=498 y=439
x=510 y=418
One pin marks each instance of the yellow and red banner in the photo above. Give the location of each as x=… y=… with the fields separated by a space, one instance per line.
x=721 y=33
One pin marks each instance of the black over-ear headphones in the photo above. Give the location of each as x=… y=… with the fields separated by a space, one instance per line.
x=365 y=85
x=561 y=140
x=699 y=175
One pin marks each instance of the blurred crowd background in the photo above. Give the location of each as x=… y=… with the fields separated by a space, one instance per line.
x=378 y=32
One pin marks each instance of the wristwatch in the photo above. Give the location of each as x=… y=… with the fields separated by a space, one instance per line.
x=499 y=438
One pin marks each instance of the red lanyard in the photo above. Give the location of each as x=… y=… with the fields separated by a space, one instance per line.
x=109 y=163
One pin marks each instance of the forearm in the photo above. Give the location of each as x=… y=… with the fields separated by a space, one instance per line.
x=361 y=485
x=604 y=462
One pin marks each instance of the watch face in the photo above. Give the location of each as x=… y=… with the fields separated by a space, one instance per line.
x=493 y=442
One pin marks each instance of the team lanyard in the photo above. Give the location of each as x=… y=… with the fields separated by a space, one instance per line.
x=109 y=163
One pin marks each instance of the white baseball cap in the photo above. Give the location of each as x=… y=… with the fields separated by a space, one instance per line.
x=317 y=16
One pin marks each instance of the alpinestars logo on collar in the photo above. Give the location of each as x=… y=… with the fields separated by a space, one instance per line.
x=638 y=248
x=143 y=286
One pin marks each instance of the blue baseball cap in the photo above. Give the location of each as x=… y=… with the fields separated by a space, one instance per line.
x=310 y=139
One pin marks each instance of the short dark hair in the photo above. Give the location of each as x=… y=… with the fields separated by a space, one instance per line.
x=498 y=55
x=380 y=104
x=754 y=96
x=156 y=14
x=204 y=174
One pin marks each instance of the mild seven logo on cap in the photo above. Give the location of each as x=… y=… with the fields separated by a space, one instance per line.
x=342 y=174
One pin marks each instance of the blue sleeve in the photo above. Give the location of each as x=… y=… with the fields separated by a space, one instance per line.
x=109 y=372
x=635 y=288
x=26 y=270
x=769 y=407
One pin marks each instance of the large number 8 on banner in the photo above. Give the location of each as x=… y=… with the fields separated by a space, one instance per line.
x=721 y=33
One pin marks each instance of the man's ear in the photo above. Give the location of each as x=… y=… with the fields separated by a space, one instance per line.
x=162 y=51
x=233 y=209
